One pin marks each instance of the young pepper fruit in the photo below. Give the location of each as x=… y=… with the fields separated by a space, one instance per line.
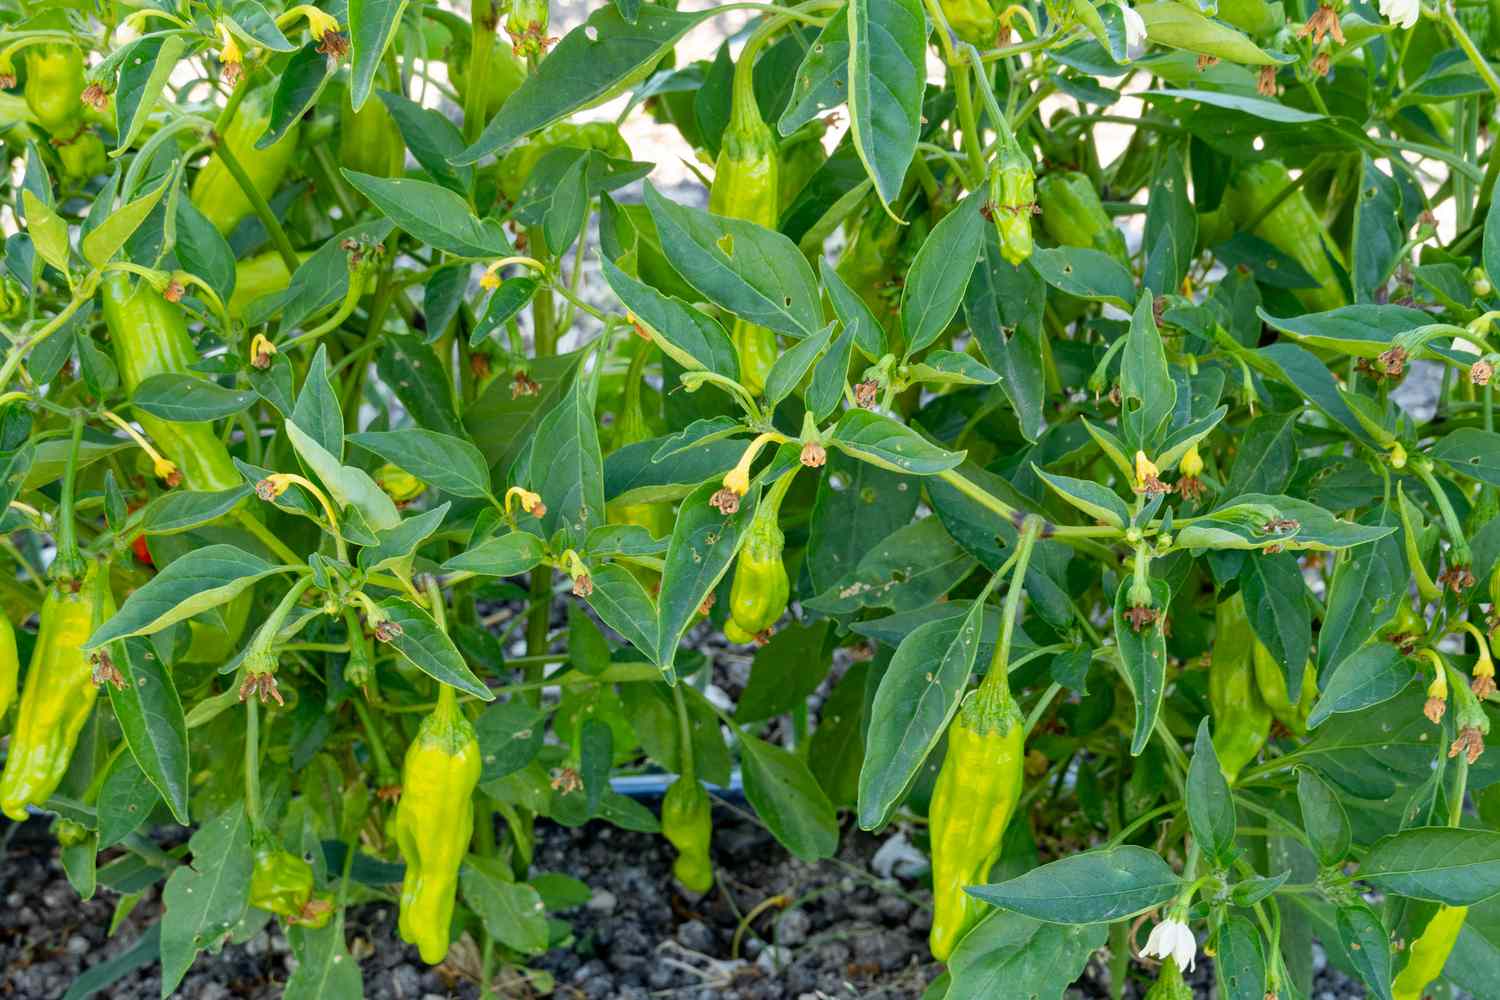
x=1073 y=215
x=10 y=664
x=759 y=593
x=687 y=822
x=59 y=693
x=370 y=142
x=1293 y=227
x=434 y=821
x=746 y=186
x=1012 y=203
x=282 y=883
x=1429 y=953
x=215 y=192
x=1271 y=683
x=1242 y=721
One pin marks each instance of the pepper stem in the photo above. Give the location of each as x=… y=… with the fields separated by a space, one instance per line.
x=993 y=698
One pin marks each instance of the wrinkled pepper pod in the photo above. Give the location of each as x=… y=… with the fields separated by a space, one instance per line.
x=59 y=693
x=1429 y=953
x=1012 y=202
x=1241 y=719
x=434 y=822
x=10 y=664
x=759 y=593
x=282 y=883
x=747 y=186
x=973 y=21
x=83 y=155
x=370 y=141
x=972 y=803
x=1271 y=683
x=1293 y=227
x=687 y=823
x=215 y=192
x=54 y=87
x=1073 y=215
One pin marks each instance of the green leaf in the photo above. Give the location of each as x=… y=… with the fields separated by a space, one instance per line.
x=372 y=28
x=150 y=714
x=877 y=439
x=509 y=299
x=206 y=899
x=1240 y=961
x=1369 y=582
x=695 y=341
x=325 y=969
x=1470 y=452
x=1276 y=601
x=787 y=798
x=1323 y=817
x=1098 y=502
x=1004 y=305
x=822 y=81
x=854 y=313
x=511 y=554
x=428 y=647
x=568 y=207
x=704 y=542
x=101 y=244
x=887 y=77
x=1144 y=655
x=48 y=231
x=395 y=547
x=1368 y=945
x=1210 y=807
x=1007 y=954
x=623 y=604
x=317 y=410
x=347 y=485
x=143 y=76
x=442 y=461
x=432 y=139
x=1445 y=864
x=126 y=799
x=1148 y=394
x=757 y=274
x=421 y=381
x=432 y=214
x=1088 y=274
x=510 y=734
x=594 y=62
x=1272 y=111
x=1171 y=224
x=298 y=87
x=790 y=368
x=918 y=696
x=512 y=912
x=1372 y=675
x=215 y=575
x=1180 y=27
x=186 y=398
x=1087 y=888
x=181 y=510
x=1376 y=243
x=939 y=274
x=786 y=671
x=567 y=469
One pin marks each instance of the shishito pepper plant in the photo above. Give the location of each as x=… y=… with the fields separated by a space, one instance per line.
x=1102 y=425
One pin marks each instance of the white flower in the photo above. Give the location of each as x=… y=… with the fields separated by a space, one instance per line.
x=1403 y=13
x=1172 y=939
x=1135 y=32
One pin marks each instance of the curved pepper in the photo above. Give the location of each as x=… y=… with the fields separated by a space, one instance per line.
x=58 y=696
x=215 y=192
x=687 y=822
x=759 y=593
x=1429 y=953
x=972 y=803
x=746 y=186
x=1012 y=202
x=10 y=664
x=1073 y=215
x=1271 y=683
x=370 y=141
x=1241 y=719
x=434 y=822
x=1293 y=227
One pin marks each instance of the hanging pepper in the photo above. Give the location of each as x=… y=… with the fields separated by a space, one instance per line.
x=215 y=192
x=687 y=822
x=434 y=822
x=1073 y=215
x=282 y=883
x=1271 y=683
x=10 y=664
x=59 y=693
x=1293 y=227
x=746 y=186
x=973 y=21
x=1242 y=721
x=758 y=595
x=1429 y=953
x=631 y=428
x=1012 y=203
x=507 y=73
x=370 y=142
x=54 y=87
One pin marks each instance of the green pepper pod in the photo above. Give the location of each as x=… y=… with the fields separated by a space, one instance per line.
x=370 y=141
x=759 y=593
x=54 y=87
x=434 y=822
x=507 y=73
x=58 y=696
x=973 y=21
x=1012 y=202
x=746 y=186
x=687 y=822
x=1241 y=719
x=1293 y=227
x=280 y=882
x=1271 y=684
x=1073 y=215
x=10 y=664
x=215 y=192
x=1429 y=953
x=972 y=803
